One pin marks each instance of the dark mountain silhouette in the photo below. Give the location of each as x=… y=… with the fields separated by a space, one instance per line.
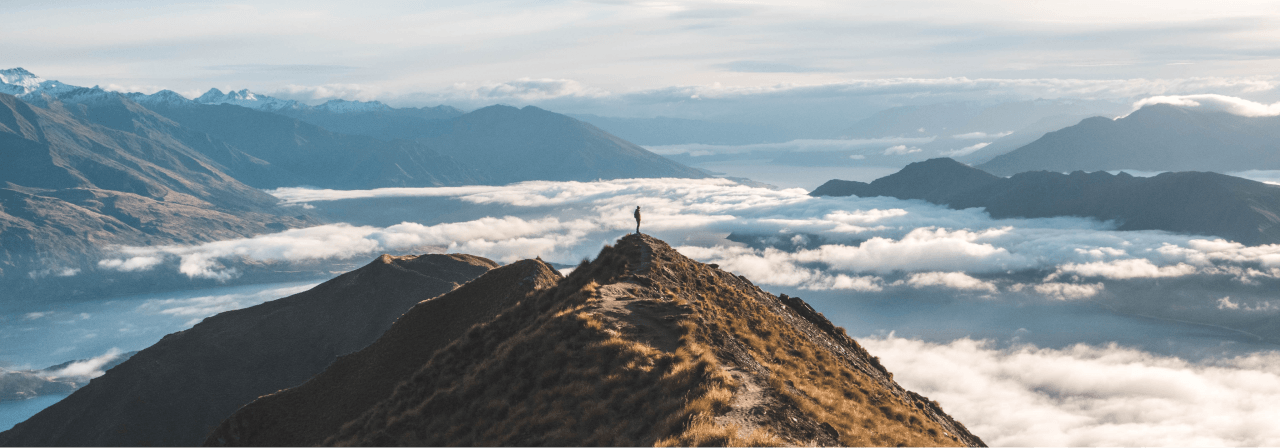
x=640 y=346
x=93 y=169
x=174 y=392
x=516 y=145
x=1155 y=138
x=304 y=415
x=1199 y=203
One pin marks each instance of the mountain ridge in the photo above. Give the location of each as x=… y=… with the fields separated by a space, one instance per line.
x=1157 y=137
x=639 y=346
x=1203 y=203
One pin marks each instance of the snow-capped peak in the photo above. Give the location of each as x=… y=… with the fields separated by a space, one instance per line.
x=20 y=82
x=248 y=99
x=163 y=98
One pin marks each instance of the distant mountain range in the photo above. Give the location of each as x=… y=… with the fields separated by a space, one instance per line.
x=88 y=169
x=270 y=142
x=1158 y=137
x=176 y=391
x=1199 y=203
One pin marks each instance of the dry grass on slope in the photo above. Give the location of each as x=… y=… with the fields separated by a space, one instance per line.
x=550 y=372
x=643 y=346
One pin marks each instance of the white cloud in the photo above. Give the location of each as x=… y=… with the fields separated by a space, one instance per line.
x=965 y=150
x=980 y=135
x=953 y=280
x=205 y=306
x=899 y=150
x=89 y=368
x=1214 y=102
x=35 y=315
x=56 y=272
x=1124 y=269
x=804 y=145
x=1090 y=395
x=862 y=239
x=1068 y=291
x=132 y=264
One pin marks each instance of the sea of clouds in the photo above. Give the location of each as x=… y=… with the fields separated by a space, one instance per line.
x=878 y=249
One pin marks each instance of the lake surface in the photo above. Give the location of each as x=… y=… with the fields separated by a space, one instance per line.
x=14 y=412
x=35 y=338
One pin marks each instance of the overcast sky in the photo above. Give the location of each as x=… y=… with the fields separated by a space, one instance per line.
x=419 y=53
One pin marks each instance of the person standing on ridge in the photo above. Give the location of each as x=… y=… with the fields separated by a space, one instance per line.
x=637 y=214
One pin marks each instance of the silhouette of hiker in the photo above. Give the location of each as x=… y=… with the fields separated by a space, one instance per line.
x=637 y=214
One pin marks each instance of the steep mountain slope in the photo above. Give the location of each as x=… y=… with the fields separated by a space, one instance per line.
x=516 y=145
x=95 y=169
x=174 y=392
x=641 y=346
x=1155 y=138
x=303 y=415
x=1200 y=203
x=305 y=154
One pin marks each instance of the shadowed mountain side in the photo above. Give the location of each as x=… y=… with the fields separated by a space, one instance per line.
x=305 y=415
x=78 y=177
x=516 y=145
x=403 y=123
x=176 y=391
x=1155 y=138
x=641 y=346
x=301 y=153
x=1200 y=203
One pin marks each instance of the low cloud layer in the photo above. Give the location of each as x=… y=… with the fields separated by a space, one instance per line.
x=89 y=368
x=856 y=245
x=1091 y=395
x=1214 y=103
x=866 y=146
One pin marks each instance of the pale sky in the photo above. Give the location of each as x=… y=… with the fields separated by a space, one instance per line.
x=592 y=54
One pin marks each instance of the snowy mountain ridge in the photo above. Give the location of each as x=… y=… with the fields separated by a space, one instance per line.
x=26 y=85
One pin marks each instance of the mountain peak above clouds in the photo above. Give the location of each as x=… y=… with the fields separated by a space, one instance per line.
x=1156 y=137
x=22 y=83
x=245 y=98
x=641 y=346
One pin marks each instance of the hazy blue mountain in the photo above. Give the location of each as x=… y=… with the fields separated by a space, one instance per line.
x=1199 y=203
x=176 y=391
x=947 y=119
x=515 y=145
x=382 y=122
x=1020 y=137
x=673 y=131
x=300 y=153
x=1155 y=138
